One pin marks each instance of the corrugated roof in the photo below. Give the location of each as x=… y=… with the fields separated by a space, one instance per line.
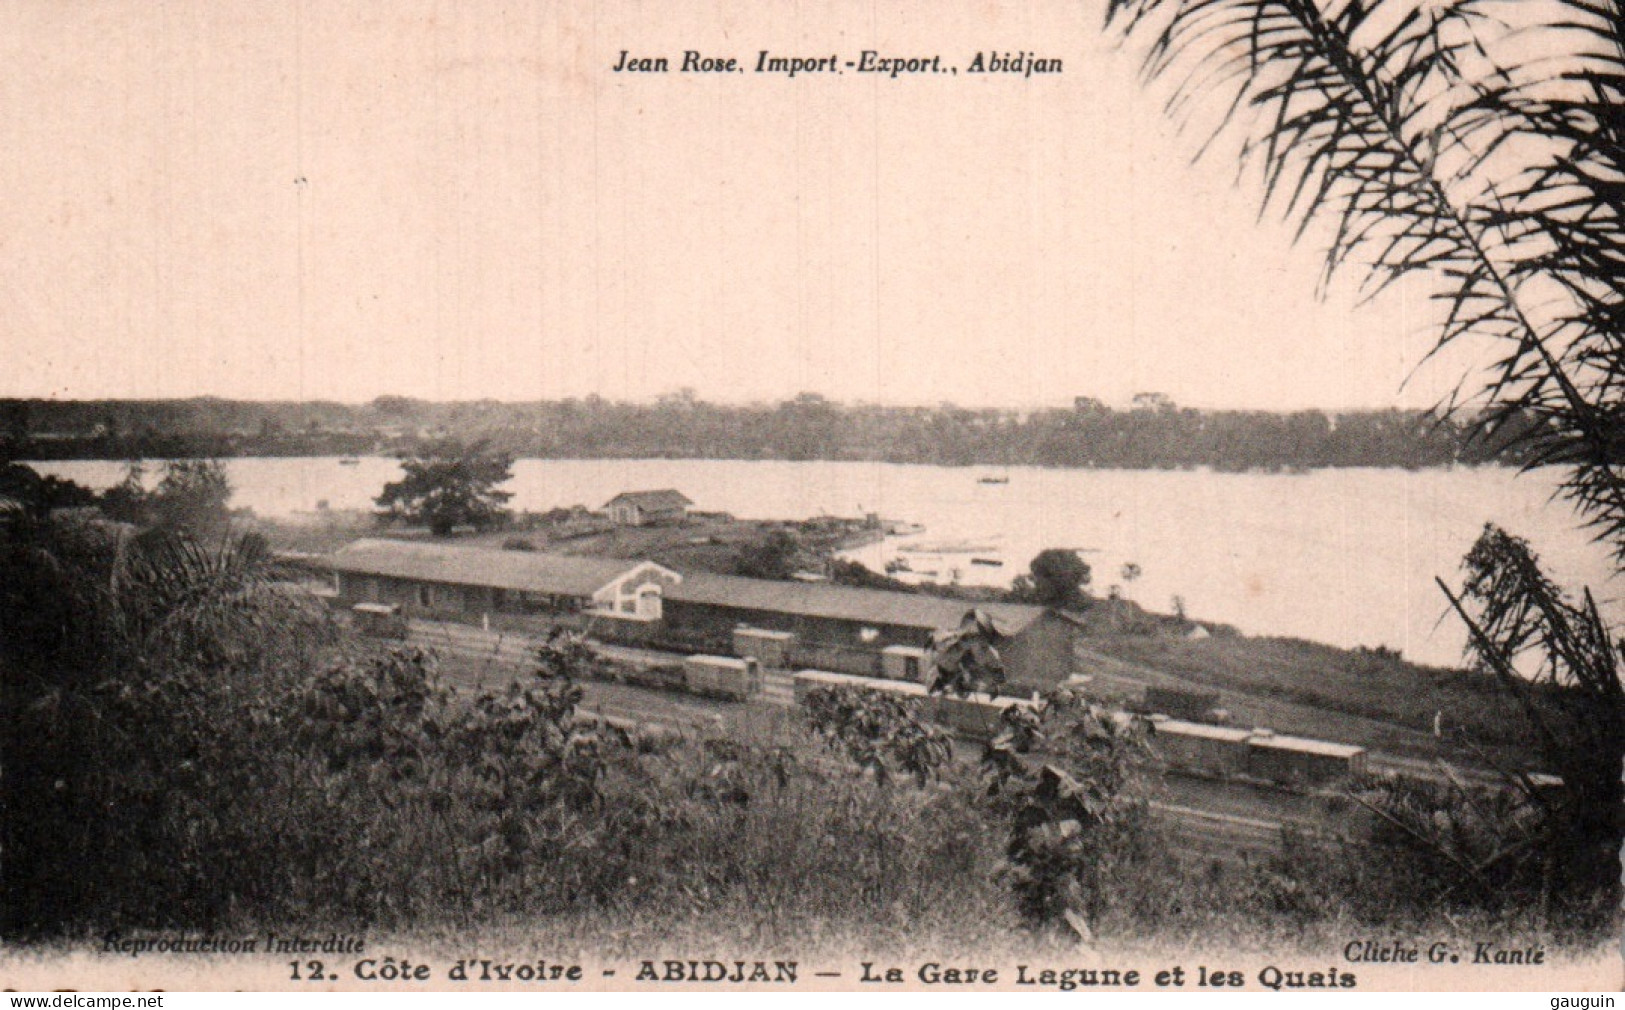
x=726 y=662
x=1177 y=727
x=847 y=603
x=665 y=498
x=824 y=678
x=563 y=574
x=1307 y=746
x=534 y=571
x=763 y=633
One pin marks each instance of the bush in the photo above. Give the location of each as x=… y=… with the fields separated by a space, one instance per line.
x=165 y=770
x=1056 y=578
x=854 y=573
x=139 y=696
x=178 y=776
x=881 y=734
x=771 y=558
x=1067 y=780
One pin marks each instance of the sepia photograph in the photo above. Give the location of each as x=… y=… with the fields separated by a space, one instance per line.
x=990 y=495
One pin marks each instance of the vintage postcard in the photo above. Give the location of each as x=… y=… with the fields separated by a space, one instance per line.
x=988 y=495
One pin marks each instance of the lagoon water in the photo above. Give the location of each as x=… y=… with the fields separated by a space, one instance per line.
x=1346 y=557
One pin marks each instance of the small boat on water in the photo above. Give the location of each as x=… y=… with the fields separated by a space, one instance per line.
x=989 y=562
x=899 y=566
x=992 y=479
x=349 y=461
x=950 y=547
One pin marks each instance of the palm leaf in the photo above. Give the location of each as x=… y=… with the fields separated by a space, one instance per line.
x=1439 y=140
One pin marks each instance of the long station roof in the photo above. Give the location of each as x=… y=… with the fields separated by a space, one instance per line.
x=573 y=575
x=533 y=571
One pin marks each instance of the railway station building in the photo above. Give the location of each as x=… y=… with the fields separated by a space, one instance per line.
x=868 y=632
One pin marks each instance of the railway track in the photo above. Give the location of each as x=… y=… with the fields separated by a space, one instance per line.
x=1225 y=838
x=1228 y=822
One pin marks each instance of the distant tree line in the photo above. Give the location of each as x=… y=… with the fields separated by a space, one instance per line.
x=1154 y=433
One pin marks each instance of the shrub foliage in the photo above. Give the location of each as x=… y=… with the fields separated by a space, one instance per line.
x=164 y=768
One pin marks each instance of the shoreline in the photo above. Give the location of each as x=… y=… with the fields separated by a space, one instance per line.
x=1277 y=470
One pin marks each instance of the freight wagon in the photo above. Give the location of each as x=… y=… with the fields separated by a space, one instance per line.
x=903 y=662
x=770 y=648
x=808 y=681
x=1256 y=754
x=978 y=718
x=722 y=677
x=1300 y=761
x=1192 y=747
x=379 y=620
x=1189 y=704
x=1197 y=747
x=974 y=717
x=658 y=676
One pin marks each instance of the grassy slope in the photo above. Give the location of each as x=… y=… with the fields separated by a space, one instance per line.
x=1316 y=690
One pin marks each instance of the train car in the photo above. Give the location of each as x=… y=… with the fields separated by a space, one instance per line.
x=722 y=677
x=807 y=681
x=379 y=620
x=1300 y=761
x=657 y=676
x=1186 y=703
x=1198 y=747
x=770 y=648
x=975 y=716
x=903 y=662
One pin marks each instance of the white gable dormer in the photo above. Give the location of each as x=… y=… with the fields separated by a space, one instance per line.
x=637 y=594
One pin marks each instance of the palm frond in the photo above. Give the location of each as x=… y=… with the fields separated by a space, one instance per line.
x=176 y=598
x=1478 y=146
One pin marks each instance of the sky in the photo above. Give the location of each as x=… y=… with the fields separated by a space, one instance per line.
x=462 y=200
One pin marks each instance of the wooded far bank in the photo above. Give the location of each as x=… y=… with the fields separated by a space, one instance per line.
x=1154 y=433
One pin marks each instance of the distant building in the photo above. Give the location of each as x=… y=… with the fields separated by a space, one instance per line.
x=648 y=508
x=789 y=624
